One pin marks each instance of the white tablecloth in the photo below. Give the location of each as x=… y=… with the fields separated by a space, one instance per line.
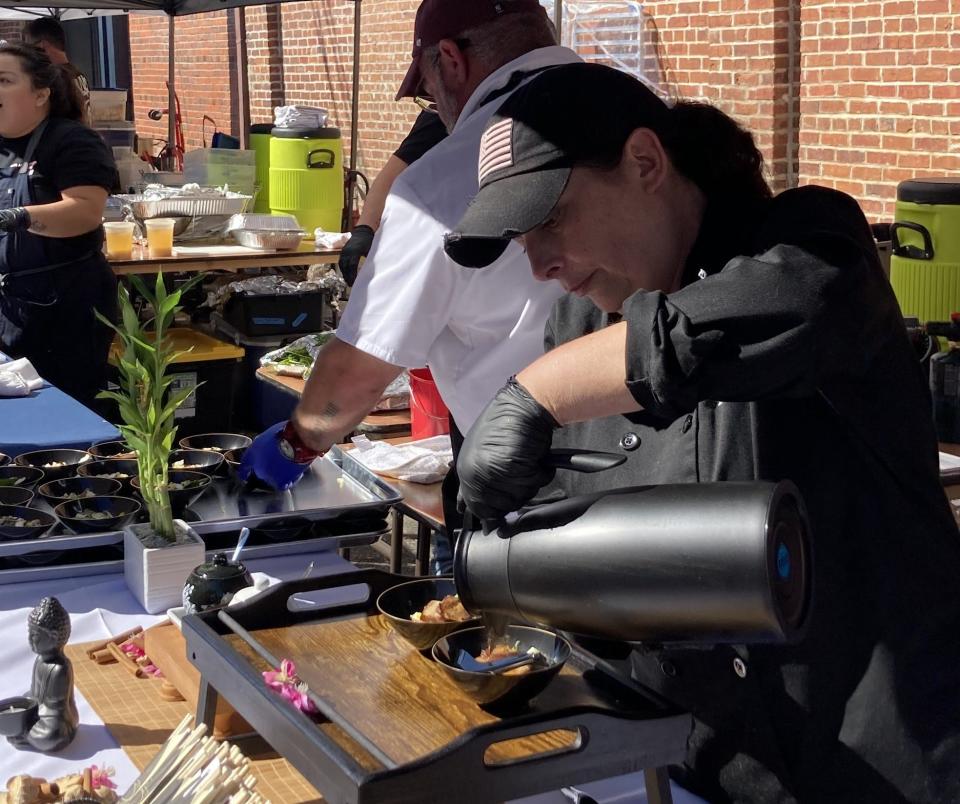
x=101 y=606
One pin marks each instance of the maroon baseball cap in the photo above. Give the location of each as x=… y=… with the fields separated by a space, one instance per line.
x=446 y=19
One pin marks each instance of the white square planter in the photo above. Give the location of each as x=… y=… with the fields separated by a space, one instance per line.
x=156 y=575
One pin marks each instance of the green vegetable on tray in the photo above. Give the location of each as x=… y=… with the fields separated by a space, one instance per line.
x=10 y=481
x=298 y=356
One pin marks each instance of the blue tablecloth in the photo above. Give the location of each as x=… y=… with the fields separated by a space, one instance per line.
x=49 y=418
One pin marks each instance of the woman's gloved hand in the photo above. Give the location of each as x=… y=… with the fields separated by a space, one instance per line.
x=356 y=248
x=503 y=461
x=277 y=457
x=14 y=219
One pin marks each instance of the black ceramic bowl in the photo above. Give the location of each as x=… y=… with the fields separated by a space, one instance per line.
x=402 y=600
x=196 y=460
x=182 y=498
x=510 y=689
x=17 y=715
x=121 y=510
x=108 y=467
x=111 y=449
x=43 y=458
x=4 y=459
x=14 y=532
x=233 y=458
x=218 y=442
x=15 y=495
x=282 y=530
x=58 y=491
x=24 y=477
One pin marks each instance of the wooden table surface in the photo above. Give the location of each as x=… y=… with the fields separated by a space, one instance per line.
x=377 y=420
x=223 y=257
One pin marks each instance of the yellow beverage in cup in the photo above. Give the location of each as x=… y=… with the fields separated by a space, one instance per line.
x=119 y=240
x=159 y=237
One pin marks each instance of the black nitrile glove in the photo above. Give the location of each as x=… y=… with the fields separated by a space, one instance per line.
x=357 y=247
x=13 y=219
x=504 y=459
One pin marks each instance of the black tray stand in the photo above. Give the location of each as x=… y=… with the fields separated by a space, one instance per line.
x=640 y=733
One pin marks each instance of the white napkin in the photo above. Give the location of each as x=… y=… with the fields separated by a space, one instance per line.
x=19 y=378
x=330 y=240
x=424 y=461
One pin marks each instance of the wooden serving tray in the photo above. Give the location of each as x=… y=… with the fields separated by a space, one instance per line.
x=395 y=728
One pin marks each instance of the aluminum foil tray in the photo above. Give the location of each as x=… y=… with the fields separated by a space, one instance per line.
x=266 y=239
x=185 y=207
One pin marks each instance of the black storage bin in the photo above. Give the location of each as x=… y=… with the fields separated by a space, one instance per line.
x=282 y=314
x=215 y=364
x=258 y=404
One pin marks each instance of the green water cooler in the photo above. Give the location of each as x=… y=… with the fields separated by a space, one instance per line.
x=306 y=176
x=260 y=145
x=925 y=248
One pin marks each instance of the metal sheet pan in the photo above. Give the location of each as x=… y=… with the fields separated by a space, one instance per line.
x=336 y=486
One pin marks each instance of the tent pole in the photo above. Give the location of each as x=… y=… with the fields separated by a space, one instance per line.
x=171 y=90
x=243 y=82
x=558 y=19
x=354 y=113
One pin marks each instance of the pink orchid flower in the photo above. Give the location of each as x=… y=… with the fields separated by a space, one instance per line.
x=100 y=777
x=291 y=688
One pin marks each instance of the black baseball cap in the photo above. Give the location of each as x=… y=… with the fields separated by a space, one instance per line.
x=447 y=19
x=567 y=116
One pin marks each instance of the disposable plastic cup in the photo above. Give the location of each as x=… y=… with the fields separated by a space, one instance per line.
x=160 y=237
x=119 y=239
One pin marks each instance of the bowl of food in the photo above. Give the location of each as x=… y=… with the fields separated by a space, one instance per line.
x=20 y=522
x=122 y=469
x=25 y=477
x=17 y=715
x=78 y=488
x=97 y=514
x=183 y=487
x=196 y=460
x=15 y=495
x=111 y=449
x=218 y=442
x=54 y=463
x=232 y=458
x=424 y=610
x=4 y=459
x=490 y=674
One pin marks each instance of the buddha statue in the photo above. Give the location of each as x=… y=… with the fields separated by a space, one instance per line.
x=48 y=629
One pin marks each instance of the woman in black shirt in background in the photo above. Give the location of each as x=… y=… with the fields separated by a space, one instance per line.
x=55 y=175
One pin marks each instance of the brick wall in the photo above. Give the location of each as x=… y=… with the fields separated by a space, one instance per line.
x=881 y=95
x=875 y=91
x=10 y=29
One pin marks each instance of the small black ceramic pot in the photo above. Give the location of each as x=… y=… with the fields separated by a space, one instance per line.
x=212 y=585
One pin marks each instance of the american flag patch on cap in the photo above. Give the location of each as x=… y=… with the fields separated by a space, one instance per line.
x=496 y=148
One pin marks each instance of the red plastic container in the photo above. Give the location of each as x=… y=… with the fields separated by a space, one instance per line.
x=428 y=413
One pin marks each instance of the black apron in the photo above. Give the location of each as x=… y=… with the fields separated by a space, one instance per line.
x=46 y=309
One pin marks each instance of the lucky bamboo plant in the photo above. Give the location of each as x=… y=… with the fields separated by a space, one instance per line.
x=145 y=402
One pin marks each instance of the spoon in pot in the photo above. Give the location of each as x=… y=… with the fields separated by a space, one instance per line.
x=244 y=535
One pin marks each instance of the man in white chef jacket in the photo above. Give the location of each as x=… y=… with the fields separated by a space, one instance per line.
x=411 y=305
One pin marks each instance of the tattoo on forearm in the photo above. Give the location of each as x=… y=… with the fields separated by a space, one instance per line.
x=37 y=226
x=330 y=411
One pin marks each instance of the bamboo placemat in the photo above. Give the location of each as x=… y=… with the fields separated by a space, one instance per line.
x=140 y=721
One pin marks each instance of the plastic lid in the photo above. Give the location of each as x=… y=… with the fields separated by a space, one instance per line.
x=944 y=190
x=220 y=569
x=204 y=348
x=261 y=128
x=328 y=133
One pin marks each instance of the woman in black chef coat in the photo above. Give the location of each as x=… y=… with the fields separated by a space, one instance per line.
x=55 y=174
x=713 y=332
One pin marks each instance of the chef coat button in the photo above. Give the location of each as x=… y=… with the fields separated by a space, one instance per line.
x=739 y=667
x=687 y=424
x=669 y=669
x=629 y=442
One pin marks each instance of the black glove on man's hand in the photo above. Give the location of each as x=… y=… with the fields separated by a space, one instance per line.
x=503 y=462
x=357 y=247
x=14 y=219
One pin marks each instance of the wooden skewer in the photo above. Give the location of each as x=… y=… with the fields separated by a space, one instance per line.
x=113 y=640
